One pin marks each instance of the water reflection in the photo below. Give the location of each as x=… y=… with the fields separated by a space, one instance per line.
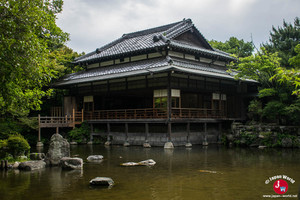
x=179 y=173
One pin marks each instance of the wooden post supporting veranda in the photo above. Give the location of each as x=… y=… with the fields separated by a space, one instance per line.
x=169 y=144
x=39 y=143
x=73 y=117
x=126 y=143
x=188 y=130
x=205 y=143
x=146 y=144
x=108 y=142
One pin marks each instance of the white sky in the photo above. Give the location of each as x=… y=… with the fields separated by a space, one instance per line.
x=94 y=23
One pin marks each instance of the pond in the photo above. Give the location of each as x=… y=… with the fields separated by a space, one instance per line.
x=213 y=172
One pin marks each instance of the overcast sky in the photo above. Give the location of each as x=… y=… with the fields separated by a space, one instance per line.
x=94 y=23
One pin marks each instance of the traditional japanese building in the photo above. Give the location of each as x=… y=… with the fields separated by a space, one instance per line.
x=164 y=84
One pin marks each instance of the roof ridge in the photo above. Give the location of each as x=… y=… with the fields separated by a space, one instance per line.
x=150 y=30
x=183 y=22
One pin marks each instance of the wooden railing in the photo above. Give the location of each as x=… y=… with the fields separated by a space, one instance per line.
x=197 y=113
x=66 y=121
x=148 y=113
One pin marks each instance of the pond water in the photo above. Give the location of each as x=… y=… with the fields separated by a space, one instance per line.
x=213 y=172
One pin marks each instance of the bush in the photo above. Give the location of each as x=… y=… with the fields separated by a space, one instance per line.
x=17 y=145
x=81 y=134
x=3 y=147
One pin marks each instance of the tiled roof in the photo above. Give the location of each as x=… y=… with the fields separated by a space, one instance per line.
x=191 y=47
x=150 y=39
x=197 y=66
x=115 y=71
x=143 y=67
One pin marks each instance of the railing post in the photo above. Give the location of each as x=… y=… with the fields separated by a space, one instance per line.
x=82 y=115
x=73 y=118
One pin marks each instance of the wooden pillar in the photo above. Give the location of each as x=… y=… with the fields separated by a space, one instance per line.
x=205 y=143
x=108 y=142
x=108 y=131
x=92 y=131
x=146 y=144
x=73 y=118
x=169 y=131
x=126 y=131
x=188 y=144
x=82 y=115
x=39 y=136
x=220 y=133
x=126 y=143
x=169 y=98
x=188 y=129
x=57 y=130
x=146 y=131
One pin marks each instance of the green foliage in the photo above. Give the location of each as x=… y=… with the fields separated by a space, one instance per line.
x=3 y=148
x=295 y=61
x=276 y=88
x=245 y=138
x=61 y=59
x=261 y=67
x=23 y=125
x=80 y=134
x=234 y=46
x=17 y=145
x=273 y=110
x=291 y=76
x=284 y=40
x=28 y=34
x=255 y=110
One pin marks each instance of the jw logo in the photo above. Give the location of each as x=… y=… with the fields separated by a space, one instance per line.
x=280 y=186
x=282 y=189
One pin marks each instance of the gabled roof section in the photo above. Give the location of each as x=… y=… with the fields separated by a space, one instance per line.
x=143 y=67
x=149 y=40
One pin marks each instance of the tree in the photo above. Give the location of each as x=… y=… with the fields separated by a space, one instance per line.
x=291 y=76
x=276 y=100
x=62 y=61
x=234 y=46
x=28 y=35
x=284 y=40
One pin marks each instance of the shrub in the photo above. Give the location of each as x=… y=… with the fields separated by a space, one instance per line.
x=3 y=147
x=80 y=134
x=17 y=145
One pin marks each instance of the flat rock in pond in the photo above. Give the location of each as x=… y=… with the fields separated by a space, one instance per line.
x=102 y=181
x=32 y=165
x=95 y=157
x=148 y=162
x=71 y=163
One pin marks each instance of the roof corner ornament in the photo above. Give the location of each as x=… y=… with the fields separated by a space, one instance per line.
x=169 y=60
x=188 y=21
x=155 y=38
x=164 y=39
